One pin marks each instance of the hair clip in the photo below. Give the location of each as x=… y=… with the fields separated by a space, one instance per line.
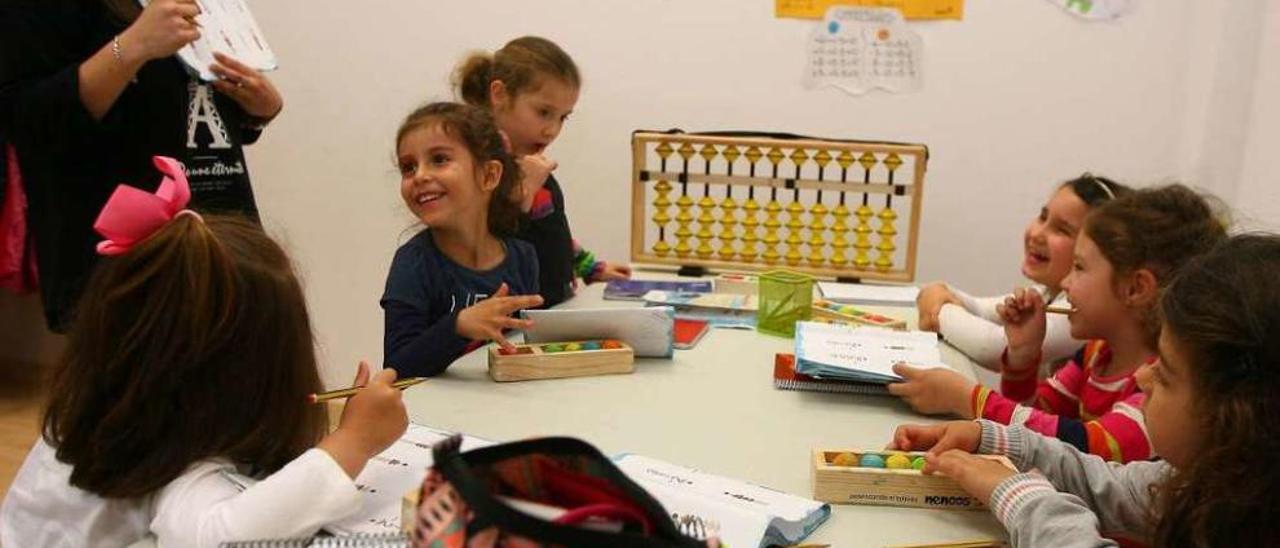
x=1100 y=182
x=131 y=215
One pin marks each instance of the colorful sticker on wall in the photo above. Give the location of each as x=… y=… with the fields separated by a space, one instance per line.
x=861 y=49
x=911 y=9
x=1094 y=9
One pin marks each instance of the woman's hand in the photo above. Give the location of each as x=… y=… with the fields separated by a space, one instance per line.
x=251 y=89
x=486 y=319
x=163 y=28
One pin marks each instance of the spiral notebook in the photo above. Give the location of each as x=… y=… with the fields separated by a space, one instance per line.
x=785 y=377
x=746 y=515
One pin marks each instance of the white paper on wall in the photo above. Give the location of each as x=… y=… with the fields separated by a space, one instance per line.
x=860 y=49
x=1095 y=9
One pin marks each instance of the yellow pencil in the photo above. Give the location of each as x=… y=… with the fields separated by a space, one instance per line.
x=972 y=543
x=348 y=392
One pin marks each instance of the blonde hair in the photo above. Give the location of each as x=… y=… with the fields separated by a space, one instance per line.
x=519 y=65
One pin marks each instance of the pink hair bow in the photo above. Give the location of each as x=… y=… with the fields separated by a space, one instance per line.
x=131 y=215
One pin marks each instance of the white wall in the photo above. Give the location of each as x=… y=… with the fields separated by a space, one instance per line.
x=1017 y=96
x=1257 y=194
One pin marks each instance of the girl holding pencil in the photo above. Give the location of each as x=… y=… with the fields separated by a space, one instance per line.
x=191 y=353
x=1126 y=254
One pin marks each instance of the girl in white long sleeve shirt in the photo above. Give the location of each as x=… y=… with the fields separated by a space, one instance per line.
x=192 y=355
x=972 y=325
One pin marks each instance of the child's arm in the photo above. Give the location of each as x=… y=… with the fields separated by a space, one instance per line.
x=1117 y=435
x=202 y=508
x=1098 y=497
x=981 y=340
x=415 y=345
x=424 y=349
x=586 y=266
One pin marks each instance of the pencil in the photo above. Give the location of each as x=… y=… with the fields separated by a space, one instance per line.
x=976 y=543
x=348 y=392
x=1059 y=309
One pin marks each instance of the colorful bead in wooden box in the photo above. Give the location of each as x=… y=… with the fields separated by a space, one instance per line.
x=560 y=359
x=832 y=312
x=887 y=478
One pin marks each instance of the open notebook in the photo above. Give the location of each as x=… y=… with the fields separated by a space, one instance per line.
x=864 y=354
x=747 y=515
x=384 y=481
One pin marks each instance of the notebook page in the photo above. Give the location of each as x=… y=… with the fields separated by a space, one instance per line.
x=865 y=349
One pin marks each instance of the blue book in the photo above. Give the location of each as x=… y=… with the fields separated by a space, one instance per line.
x=634 y=290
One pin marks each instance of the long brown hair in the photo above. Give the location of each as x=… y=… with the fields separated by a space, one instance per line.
x=477 y=131
x=1223 y=310
x=194 y=344
x=1158 y=229
x=519 y=65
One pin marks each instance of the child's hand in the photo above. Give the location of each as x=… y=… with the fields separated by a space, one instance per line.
x=1024 y=326
x=535 y=168
x=372 y=420
x=933 y=391
x=487 y=319
x=612 y=271
x=930 y=302
x=978 y=476
x=938 y=438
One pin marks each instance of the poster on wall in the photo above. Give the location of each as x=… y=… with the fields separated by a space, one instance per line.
x=1095 y=9
x=860 y=49
x=911 y=9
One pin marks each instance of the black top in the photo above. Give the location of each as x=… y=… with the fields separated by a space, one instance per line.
x=551 y=238
x=71 y=163
x=426 y=290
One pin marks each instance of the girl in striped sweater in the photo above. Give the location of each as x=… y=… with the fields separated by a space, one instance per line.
x=1128 y=251
x=1210 y=409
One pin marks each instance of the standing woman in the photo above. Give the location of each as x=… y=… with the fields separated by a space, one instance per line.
x=90 y=90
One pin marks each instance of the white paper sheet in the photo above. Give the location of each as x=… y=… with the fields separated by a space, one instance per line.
x=859 y=49
x=889 y=295
x=649 y=331
x=226 y=26
x=392 y=473
x=747 y=514
x=1095 y=9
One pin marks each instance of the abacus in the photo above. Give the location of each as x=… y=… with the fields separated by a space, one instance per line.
x=756 y=202
x=888 y=478
x=560 y=359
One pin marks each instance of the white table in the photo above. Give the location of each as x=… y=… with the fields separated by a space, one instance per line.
x=712 y=407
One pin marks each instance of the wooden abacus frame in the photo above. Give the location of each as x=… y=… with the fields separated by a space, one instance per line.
x=771 y=153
